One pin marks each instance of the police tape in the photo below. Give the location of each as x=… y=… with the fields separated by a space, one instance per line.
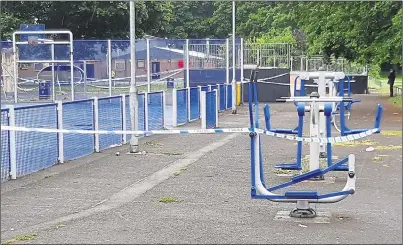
x=331 y=140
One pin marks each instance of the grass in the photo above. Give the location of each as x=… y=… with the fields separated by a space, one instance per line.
x=153 y=143
x=355 y=143
x=397 y=101
x=169 y=200
x=179 y=172
x=381 y=86
x=377 y=159
x=391 y=133
x=388 y=147
x=173 y=153
x=20 y=238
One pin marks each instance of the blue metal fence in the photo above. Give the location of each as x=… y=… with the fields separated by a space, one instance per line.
x=155 y=111
x=5 y=147
x=110 y=118
x=78 y=115
x=182 y=106
x=211 y=109
x=229 y=95
x=222 y=97
x=194 y=104
x=35 y=150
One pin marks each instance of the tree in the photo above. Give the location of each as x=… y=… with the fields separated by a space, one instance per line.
x=87 y=19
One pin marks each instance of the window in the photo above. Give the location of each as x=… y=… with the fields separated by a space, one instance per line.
x=140 y=64
x=23 y=66
x=38 y=66
x=120 y=65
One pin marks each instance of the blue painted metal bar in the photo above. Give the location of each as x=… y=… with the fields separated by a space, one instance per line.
x=304 y=195
x=34 y=106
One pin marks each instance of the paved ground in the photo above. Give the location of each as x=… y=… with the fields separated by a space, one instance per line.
x=105 y=198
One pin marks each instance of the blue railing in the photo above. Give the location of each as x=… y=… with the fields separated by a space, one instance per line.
x=43 y=147
x=110 y=118
x=5 y=147
x=155 y=110
x=182 y=106
x=78 y=115
x=194 y=104
x=35 y=151
x=211 y=109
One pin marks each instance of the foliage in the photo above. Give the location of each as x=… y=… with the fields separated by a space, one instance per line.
x=366 y=32
x=87 y=19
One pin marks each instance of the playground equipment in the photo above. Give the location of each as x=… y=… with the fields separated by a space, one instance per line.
x=338 y=86
x=33 y=40
x=320 y=108
x=320 y=118
x=60 y=75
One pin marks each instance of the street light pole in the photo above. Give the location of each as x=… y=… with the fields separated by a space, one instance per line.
x=233 y=60
x=133 y=95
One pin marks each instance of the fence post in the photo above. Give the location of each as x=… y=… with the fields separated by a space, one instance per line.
x=203 y=110
x=13 y=150
x=148 y=65
x=216 y=104
x=60 y=135
x=174 y=108
x=227 y=60
x=146 y=111
x=219 y=98
x=163 y=109
x=187 y=57
x=242 y=74
x=188 y=102
x=124 y=140
x=109 y=54
x=96 y=122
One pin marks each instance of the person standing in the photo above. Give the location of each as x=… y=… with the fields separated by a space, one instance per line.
x=391 y=81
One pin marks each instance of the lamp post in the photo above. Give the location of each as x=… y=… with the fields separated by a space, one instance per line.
x=233 y=61
x=133 y=94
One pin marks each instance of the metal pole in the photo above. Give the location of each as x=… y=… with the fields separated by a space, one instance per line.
x=15 y=72
x=242 y=74
x=148 y=65
x=53 y=72
x=233 y=61
x=187 y=57
x=85 y=77
x=133 y=96
x=109 y=54
x=71 y=66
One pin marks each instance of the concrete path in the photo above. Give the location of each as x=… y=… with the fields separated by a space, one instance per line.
x=196 y=189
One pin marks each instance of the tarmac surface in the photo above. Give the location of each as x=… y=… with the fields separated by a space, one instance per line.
x=196 y=189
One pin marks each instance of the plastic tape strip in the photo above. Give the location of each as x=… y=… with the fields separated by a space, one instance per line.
x=198 y=131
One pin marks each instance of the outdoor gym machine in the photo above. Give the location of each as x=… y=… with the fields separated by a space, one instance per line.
x=317 y=105
x=320 y=118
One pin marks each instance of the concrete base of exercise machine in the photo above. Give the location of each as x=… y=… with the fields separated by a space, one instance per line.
x=322 y=217
x=303 y=210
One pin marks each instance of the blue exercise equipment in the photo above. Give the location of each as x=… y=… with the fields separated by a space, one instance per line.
x=301 y=198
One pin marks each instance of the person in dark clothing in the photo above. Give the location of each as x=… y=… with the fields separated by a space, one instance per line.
x=391 y=81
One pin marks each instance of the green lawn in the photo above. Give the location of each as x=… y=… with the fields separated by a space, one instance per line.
x=381 y=85
x=397 y=100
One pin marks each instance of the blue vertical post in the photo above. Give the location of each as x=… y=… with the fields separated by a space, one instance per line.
x=301 y=114
x=328 y=114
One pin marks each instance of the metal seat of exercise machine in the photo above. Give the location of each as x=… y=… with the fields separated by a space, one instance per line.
x=288 y=166
x=301 y=195
x=266 y=110
x=284 y=130
x=343 y=167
